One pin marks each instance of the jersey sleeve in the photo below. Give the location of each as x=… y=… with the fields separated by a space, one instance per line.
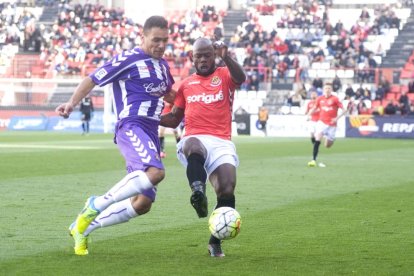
x=318 y=102
x=339 y=103
x=169 y=76
x=179 y=97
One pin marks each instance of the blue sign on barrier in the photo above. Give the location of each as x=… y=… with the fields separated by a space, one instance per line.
x=380 y=127
x=74 y=123
x=28 y=123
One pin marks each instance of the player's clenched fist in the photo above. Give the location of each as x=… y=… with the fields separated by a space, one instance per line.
x=221 y=48
x=64 y=110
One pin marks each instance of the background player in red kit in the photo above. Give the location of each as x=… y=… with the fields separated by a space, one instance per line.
x=205 y=101
x=314 y=117
x=328 y=106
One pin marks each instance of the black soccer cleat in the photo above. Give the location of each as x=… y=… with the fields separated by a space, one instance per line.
x=199 y=202
x=215 y=250
x=198 y=199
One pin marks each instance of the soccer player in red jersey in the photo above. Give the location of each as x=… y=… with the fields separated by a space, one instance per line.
x=205 y=101
x=314 y=117
x=328 y=106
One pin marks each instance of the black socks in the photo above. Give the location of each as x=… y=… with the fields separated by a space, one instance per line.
x=316 y=149
x=162 y=143
x=195 y=168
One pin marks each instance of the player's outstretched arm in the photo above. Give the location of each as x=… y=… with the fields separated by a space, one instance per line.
x=236 y=70
x=344 y=111
x=170 y=96
x=81 y=91
x=310 y=111
x=172 y=119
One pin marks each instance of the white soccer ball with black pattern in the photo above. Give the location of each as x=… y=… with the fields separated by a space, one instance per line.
x=224 y=223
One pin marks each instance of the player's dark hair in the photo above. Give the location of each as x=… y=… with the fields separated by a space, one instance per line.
x=155 y=21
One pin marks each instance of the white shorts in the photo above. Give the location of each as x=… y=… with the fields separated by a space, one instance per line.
x=312 y=126
x=326 y=130
x=219 y=151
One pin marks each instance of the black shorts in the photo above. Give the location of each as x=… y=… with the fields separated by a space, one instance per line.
x=86 y=116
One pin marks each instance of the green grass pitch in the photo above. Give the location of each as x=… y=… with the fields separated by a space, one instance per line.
x=354 y=217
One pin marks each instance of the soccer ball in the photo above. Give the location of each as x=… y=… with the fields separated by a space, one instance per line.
x=224 y=223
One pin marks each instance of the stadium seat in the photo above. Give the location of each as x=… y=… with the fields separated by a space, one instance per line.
x=368 y=104
x=409 y=66
x=241 y=94
x=291 y=73
x=251 y=94
x=375 y=103
x=285 y=109
x=349 y=74
x=340 y=73
x=316 y=65
x=312 y=73
x=325 y=65
x=330 y=73
x=395 y=89
x=390 y=96
x=406 y=74
x=261 y=94
x=295 y=110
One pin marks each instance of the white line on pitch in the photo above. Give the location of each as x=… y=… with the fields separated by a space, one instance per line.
x=28 y=146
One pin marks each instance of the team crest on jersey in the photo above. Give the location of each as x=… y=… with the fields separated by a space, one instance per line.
x=215 y=81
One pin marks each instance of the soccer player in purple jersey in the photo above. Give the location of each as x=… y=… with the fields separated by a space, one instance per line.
x=140 y=80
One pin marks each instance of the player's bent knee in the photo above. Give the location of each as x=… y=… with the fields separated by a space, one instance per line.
x=141 y=204
x=155 y=175
x=193 y=145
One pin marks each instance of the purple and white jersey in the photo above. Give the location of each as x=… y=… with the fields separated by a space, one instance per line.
x=137 y=81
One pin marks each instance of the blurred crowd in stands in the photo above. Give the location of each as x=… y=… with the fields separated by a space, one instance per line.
x=300 y=35
x=91 y=34
x=294 y=42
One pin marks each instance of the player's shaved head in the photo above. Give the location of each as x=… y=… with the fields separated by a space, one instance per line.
x=203 y=56
x=202 y=42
